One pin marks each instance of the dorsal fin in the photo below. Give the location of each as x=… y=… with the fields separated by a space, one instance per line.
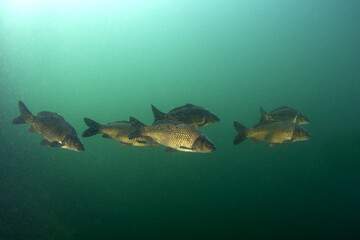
x=135 y=122
x=138 y=127
x=158 y=115
x=48 y=114
x=264 y=115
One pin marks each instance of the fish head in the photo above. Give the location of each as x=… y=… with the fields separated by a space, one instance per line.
x=207 y=119
x=303 y=120
x=72 y=142
x=212 y=118
x=300 y=134
x=203 y=144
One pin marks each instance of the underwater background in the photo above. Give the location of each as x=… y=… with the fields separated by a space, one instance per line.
x=108 y=60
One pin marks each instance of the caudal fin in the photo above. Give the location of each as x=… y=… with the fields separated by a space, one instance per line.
x=158 y=115
x=24 y=114
x=138 y=127
x=242 y=133
x=94 y=128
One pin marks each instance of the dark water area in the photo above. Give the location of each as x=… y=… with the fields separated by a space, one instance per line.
x=110 y=60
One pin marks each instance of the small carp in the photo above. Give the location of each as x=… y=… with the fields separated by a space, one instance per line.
x=56 y=131
x=274 y=133
x=118 y=131
x=174 y=135
x=282 y=114
x=190 y=114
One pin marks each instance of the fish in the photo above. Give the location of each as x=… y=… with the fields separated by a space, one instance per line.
x=174 y=135
x=190 y=114
x=57 y=132
x=118 y=131
x=282 y=114
x=274 y=133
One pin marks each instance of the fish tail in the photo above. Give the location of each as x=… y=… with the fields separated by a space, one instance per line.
x=242 y=133
x=25 y=114
x=158 y=115
x=138 y=128
x=94 y=128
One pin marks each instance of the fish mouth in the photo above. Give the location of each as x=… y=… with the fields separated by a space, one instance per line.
x=305 y=120
x=211 y=148
x=80 y=150
x=307 y=136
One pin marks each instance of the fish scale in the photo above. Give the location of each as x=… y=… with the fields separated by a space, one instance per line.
x=271 y=132
x=120 y=131
x=172 y=135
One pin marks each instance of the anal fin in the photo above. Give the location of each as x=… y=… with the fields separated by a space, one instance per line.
x=55 y=144
x=255 y=141
x=106 y=136
x=126 y=144
x=44 y=142
x=32 y=129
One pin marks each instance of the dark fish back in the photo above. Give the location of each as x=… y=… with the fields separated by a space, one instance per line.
x=182 y=108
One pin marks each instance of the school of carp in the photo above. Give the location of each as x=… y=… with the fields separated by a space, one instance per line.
x=177 y=130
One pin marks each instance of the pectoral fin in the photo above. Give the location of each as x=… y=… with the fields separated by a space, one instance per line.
x=186 y=148
x=272 y=145
x=50 y=144
x=203 y=124
x=56 y=144
x=169 y=149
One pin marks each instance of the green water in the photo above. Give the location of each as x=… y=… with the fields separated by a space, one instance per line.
x=110 y=60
